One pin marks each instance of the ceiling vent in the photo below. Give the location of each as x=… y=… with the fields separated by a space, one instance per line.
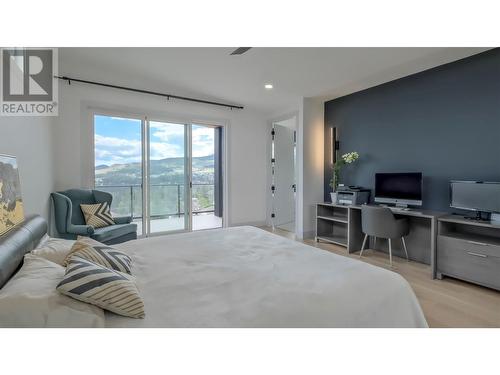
x=240 y=50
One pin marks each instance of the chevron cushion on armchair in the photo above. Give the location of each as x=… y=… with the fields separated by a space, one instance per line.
x=97 y=215
x=70 y=220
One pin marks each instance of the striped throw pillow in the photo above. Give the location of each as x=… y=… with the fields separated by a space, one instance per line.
x=97 y=215
x=109 y=289
x=99 y=253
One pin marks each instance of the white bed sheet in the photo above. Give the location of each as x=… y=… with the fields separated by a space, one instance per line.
x=247 y=277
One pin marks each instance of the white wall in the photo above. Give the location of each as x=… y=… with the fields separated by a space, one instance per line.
x=246 y=140
x=310 y=161
x=30 y=140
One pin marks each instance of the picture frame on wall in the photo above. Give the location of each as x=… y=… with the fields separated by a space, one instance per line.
x=11 y=202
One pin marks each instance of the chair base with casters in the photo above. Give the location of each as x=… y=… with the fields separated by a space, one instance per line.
x=380 y=222
x=70 y=222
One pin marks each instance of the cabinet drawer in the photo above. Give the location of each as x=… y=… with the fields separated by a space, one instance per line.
x=469 y=246
x=471 y=262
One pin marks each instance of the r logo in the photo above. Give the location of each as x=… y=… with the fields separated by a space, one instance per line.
x=27 y=75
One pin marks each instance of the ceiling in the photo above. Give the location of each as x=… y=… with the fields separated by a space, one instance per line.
x=212 y=73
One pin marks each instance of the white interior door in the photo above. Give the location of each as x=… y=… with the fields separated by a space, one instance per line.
x=284 y=177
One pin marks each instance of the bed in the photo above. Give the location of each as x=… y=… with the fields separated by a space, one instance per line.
x=247 y=277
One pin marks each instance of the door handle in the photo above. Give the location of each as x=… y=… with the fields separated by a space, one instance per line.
x=477 y=254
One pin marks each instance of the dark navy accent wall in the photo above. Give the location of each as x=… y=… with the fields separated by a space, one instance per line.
x=443 y=122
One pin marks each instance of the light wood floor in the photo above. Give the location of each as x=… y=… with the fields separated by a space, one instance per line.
x=446 y=303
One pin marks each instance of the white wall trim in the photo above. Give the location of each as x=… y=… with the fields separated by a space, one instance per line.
x=310 y=151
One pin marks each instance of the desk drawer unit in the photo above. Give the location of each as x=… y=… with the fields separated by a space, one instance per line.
x=472 y=261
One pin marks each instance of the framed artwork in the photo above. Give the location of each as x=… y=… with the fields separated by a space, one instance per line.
x=11 y=203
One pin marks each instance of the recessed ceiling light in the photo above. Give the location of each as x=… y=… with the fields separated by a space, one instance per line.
x=268 y=86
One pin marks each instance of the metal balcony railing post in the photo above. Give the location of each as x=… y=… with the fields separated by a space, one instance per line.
x=178 y=200
x=132 y=201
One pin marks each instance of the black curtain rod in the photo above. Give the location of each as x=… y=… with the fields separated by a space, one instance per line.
x=168 y=96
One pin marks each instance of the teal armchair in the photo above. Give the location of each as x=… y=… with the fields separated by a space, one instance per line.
x=70 y=221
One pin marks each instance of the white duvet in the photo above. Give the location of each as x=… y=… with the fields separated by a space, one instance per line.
x=247 y=277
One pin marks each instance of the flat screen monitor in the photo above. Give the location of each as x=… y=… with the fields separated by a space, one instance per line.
x=402 y=189
x=475 y=196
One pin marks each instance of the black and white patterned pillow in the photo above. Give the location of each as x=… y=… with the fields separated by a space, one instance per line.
x=109 y=289
x=102 y=254
x=97 y=215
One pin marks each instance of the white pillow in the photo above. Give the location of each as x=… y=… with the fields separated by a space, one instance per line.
x=104 y=287
x=99 y=253
x=42 y=240
x=30 y=299
x=54 y=249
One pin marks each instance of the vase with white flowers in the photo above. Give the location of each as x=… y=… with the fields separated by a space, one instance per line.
x=348 y=158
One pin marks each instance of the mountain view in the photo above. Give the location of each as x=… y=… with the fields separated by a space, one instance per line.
x=163 y=171
x=167 y=186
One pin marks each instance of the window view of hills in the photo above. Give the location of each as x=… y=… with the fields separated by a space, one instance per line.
x=167 y=186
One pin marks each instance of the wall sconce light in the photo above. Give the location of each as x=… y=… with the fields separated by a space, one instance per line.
x=334 y=144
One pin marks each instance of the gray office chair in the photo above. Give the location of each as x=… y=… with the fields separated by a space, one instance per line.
x=380 y=222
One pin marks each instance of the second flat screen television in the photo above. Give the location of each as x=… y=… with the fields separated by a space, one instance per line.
x=402 y=189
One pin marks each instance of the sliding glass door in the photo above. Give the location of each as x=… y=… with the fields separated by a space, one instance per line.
x=119 y=164
x=206 y=171
x=166 y=175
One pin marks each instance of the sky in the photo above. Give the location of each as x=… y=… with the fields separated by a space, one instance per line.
x=118 y=140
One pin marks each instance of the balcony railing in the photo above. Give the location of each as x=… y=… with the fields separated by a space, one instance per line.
x=166 y=199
